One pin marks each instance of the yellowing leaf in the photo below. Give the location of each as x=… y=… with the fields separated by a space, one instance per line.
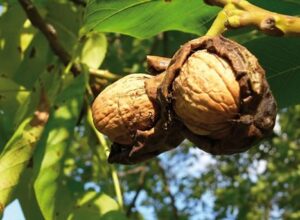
x=94 y=50
x=53 y=196
x=19 y=150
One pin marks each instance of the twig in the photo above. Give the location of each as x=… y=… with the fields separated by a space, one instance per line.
x=137 y=193
x=51 y=34
x=241 y=13
x=135 y=170
x=218 y=26
x=104 y=74
x=168 y=191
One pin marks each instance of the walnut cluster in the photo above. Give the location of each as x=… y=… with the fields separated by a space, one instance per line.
x=213 y=92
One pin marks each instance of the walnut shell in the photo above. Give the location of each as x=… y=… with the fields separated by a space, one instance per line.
x=123 y=108
x=206 y=94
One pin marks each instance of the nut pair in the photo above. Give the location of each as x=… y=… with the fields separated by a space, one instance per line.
x=213 y=92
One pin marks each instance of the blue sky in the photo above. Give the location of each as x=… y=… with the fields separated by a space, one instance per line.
x=13 y=212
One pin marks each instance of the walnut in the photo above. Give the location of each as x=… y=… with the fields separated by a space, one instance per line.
x=123 y=108
x=206 y=94
x=127 y=112
x=218 y=90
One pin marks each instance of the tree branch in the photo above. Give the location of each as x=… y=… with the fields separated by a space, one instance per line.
x=49 y=32
x=218 y=26
x=51 y=35
x=167 y=189
x=135 y=170
x=241 y=13
x=104 y=74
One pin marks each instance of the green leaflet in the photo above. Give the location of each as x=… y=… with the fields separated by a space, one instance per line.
x=11 y=96
x=17 y=103
x=53 y=196
x=11 y=28
x=25 y=194
x=145 y=18
x=19 y=150
x=66 y=20
x=93 y=50
x=280 y=59
x=37 y=58
x=96 y=206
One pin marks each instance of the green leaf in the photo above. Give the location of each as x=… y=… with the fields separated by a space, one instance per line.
x=19 y=150
x=11 y=96
x=66 y=20
x=18 y=102
x=37 y=58
x=145 y=18
x=289 y=7
x=53 y=195
x=11 y=27
x=93 y=50
x=280 y=58
x=94 y=206
x=112 y=215
x=25 y=194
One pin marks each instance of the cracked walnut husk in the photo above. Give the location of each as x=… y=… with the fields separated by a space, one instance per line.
x=218 y=90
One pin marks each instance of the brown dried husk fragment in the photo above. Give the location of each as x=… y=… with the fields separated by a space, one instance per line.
x=257 y=108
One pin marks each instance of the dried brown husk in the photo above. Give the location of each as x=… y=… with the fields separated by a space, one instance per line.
x=253 y=120
x=257 y=107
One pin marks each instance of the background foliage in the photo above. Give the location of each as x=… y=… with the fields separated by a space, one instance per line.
x=59 y=170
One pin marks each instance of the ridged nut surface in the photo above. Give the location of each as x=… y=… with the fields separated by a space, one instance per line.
x=123 y=108
x=206 y=94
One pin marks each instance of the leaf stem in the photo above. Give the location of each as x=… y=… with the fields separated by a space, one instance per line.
x=117 y=187
x=241 y=13
x=104 y=74
x=114 y=174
